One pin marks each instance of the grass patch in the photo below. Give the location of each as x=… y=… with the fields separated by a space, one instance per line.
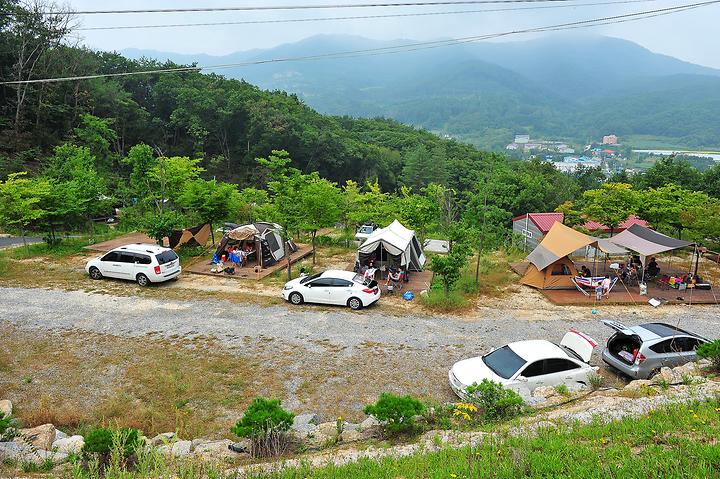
x=436 y=300
x=679 y=441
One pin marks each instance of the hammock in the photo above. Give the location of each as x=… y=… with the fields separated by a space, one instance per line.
x=591 y=283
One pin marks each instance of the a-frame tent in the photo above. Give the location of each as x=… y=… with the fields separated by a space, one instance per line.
x=550 y=267
x=393 y=245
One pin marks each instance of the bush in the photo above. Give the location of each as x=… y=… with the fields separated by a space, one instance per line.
x=101 y=441
x=710 y=351
x=397 y=411
x=437 y=301
x=265 y=423
x=8 y=428
x=495 y=401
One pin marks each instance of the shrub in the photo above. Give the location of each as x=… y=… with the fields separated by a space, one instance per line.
x=596 y=381
x=710 y=351
x=398 y=412
x=101 y=441
x=562 y=389
x=495 y=401
x=265 y=422
x=8 y=428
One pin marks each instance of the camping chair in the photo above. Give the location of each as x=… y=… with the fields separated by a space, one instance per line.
x=591 y=283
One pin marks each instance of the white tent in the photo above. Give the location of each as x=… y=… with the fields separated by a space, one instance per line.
x=393 y=245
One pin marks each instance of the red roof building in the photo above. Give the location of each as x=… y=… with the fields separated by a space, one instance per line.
x=544 y=221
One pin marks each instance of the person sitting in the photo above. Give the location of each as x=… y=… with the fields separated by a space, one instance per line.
x=394 y=277
x=585 y=272
x=652 y=269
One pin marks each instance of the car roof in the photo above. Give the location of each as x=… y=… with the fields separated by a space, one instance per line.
x=662 y=330
x=536 y=349
x=338 y=273
x=142 y=248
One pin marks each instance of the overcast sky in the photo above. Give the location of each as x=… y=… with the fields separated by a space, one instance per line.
x=691 y=35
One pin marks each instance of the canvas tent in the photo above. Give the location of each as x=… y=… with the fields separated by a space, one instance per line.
x=647 y=242
x=394 y=245
x=265 y=239
x=196 y=236
x=550 y=267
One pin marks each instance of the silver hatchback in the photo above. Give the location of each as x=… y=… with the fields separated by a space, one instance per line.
x=641 y=351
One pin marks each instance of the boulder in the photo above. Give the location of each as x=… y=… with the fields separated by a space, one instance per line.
x=181 y=448
x=215 y=450
x=42 y=437
x=328 y=429
x=305 y=424
x=371 y=422
x=242 y=447
x=163 y=438
x=354 y=435
x=544 y=392
x=11 y=450
x=637 y=384
x=687 y=369
x=23 y=453
x=60 y=435
x=6 y=407
x=668 y=375
x=68 y=445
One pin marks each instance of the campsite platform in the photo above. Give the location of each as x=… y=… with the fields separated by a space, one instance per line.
x=203 y=266
x=620 y=295
x=130 y=238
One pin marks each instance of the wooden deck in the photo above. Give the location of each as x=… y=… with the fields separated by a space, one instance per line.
x=203 y=266
x=123 y=240
x=626 y=294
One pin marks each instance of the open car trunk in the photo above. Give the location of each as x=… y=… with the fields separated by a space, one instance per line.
x=623 y=346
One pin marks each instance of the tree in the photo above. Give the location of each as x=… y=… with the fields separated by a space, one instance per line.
x=611 y=204
x=320 y=205
x=670 y=170
x=449 y=266
x=571 y=217
x=671 y=206
x=209 y=201
x=158 y=226
x=286 y=185
x=21 y=201
x=419 y=212
x=423 y=167
x=169 y=176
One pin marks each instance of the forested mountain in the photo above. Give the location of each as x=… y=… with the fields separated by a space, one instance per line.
x=573 y=87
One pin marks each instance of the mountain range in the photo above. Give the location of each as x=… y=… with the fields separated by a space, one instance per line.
x=569 y=87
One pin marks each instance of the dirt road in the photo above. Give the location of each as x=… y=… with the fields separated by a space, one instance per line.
x=332 y=361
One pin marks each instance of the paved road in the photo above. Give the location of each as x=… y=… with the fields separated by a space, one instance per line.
x=8 y=241
x=370 y=351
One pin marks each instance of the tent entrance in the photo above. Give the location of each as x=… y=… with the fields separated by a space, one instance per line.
x=380 y=257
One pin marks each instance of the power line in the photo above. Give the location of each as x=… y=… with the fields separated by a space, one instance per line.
x=305 y=7
x=393 y=49
x=359 y=17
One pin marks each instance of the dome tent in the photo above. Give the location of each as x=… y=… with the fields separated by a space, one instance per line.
x=394 y=244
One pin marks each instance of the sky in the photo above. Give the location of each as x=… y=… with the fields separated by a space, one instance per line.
x=689 y=35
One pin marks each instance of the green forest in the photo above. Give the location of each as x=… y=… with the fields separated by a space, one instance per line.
x=176 y=149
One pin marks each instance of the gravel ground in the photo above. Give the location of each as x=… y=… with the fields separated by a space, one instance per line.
x=331 y=360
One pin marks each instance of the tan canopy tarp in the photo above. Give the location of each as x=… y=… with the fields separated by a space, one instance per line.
x=647 y=242
x=558 y=243
x=243 y=232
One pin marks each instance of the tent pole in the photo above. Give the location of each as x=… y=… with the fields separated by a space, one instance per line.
x=697 y=259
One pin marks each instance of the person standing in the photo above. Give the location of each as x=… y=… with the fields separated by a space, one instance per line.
x=605 y=285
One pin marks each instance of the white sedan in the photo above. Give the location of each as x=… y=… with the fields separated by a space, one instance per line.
x=333 y=287
x=524 y=366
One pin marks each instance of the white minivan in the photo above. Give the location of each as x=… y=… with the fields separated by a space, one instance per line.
x=144 y=263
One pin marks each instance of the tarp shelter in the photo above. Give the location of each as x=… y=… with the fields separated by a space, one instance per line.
x=393 y=245
x=265 y=239
x=550 y=267
x=197 y=236
x=647 y=242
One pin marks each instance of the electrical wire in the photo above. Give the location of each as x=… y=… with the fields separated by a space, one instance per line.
x=392 y=49
x=357 y=17
x=304 y=7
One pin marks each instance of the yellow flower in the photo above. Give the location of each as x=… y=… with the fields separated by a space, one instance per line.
x=453 y=475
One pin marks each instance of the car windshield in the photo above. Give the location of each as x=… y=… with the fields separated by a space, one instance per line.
x=503 y=362
x=366 y=229
x=166 y=256
x=309 y=278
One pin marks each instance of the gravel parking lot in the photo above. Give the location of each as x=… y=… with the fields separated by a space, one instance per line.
x=329 y=360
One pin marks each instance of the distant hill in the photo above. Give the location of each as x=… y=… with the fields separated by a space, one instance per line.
x=570 y=87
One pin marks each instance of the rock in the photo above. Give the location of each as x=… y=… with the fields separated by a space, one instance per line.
x=181 y=448
x=243 y=446
x=704 y=363
x=305 y=424
x=215 y=450
x=54 y=456
x=350 y=426
x=68 y=445
x=370 y=422
x=637 y=384
x=687 y=369
x=668 y=375
x=328 y=429
x=163 y=438
x=354 y=435
x=6 y=407
x=544 y=392
x=60 y=435
x=10 y=450
x=42 y=437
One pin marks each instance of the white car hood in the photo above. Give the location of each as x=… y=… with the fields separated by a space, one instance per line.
x=474 y=370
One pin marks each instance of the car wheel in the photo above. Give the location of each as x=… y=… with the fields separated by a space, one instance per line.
x=355 y=304
x=142 y=280
x=95 y=273
x=296 y=298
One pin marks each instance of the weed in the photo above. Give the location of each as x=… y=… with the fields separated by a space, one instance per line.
x=596 y=381
x=663 y=383
x=562 y=389
x=27 y=379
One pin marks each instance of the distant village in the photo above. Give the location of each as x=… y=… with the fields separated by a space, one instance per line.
x=605 y=155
